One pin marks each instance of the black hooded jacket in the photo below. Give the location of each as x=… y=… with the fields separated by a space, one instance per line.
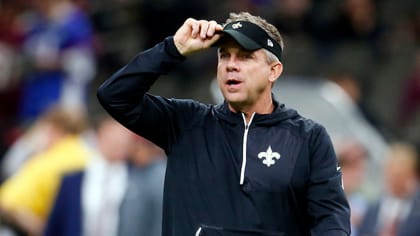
x=277 y=175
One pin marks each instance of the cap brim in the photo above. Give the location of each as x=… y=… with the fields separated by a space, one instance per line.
x=241 y=39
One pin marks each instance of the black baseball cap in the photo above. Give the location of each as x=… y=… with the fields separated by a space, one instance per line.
x=251 y=37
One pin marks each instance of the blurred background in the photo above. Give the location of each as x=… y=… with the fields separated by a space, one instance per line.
x=371 y=47
x=351 y=65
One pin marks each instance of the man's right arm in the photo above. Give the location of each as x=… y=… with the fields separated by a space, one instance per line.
x=124 y=96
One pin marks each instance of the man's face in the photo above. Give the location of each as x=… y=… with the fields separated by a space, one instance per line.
x=243 y=76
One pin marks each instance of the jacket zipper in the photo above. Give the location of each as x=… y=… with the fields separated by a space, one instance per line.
x=245 y=139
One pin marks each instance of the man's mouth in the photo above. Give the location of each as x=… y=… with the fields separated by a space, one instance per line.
x=233 y=82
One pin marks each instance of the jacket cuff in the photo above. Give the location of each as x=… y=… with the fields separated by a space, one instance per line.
x=171 y=49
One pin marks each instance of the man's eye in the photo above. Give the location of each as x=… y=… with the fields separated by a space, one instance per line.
x=223 y=55
x=246 y=56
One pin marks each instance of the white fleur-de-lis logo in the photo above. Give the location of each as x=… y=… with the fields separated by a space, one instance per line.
x=269 y=157
x=237 y=25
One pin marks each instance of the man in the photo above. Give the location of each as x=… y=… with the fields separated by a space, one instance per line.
x=249 y=166
x=143 y=198
x=26 y=197
x=397 y=210
x=354 y=159
x=88 y=201
x=118 y=193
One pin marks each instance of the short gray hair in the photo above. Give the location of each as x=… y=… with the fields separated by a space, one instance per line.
x=270 y=56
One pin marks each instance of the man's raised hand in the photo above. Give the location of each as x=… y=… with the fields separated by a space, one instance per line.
x=196 y=35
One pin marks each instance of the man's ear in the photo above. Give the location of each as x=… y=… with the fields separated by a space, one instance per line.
x=276 y=70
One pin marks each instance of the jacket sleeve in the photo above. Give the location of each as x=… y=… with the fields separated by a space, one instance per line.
x=328 y=208
x=124 y=95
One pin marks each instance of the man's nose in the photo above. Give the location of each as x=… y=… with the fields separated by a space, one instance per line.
x=232 y=64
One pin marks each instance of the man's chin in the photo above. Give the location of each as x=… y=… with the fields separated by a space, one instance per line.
x=234 y=100
x=236 y=105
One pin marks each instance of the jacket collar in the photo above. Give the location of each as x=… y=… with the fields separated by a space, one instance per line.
x=280 y=113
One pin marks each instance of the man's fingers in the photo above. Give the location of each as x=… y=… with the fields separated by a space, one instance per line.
x=213 y=27
x=195 y=35
x=204 y=26
x=195 y=29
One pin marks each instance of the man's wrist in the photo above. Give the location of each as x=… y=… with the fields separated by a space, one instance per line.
x=172 y=49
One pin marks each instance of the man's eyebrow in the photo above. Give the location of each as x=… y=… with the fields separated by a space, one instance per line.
x=222 y=49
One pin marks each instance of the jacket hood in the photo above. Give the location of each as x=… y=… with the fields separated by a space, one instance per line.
x=280 y=114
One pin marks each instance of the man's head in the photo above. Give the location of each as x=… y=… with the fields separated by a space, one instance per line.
x=353 y=158
x=56 y=123
x=401 y=177
x=113 y=139
x=248 y=61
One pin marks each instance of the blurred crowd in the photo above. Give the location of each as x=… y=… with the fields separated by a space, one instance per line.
x=65 y=165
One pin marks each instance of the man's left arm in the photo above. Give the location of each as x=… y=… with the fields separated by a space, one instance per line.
x=328 y=208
